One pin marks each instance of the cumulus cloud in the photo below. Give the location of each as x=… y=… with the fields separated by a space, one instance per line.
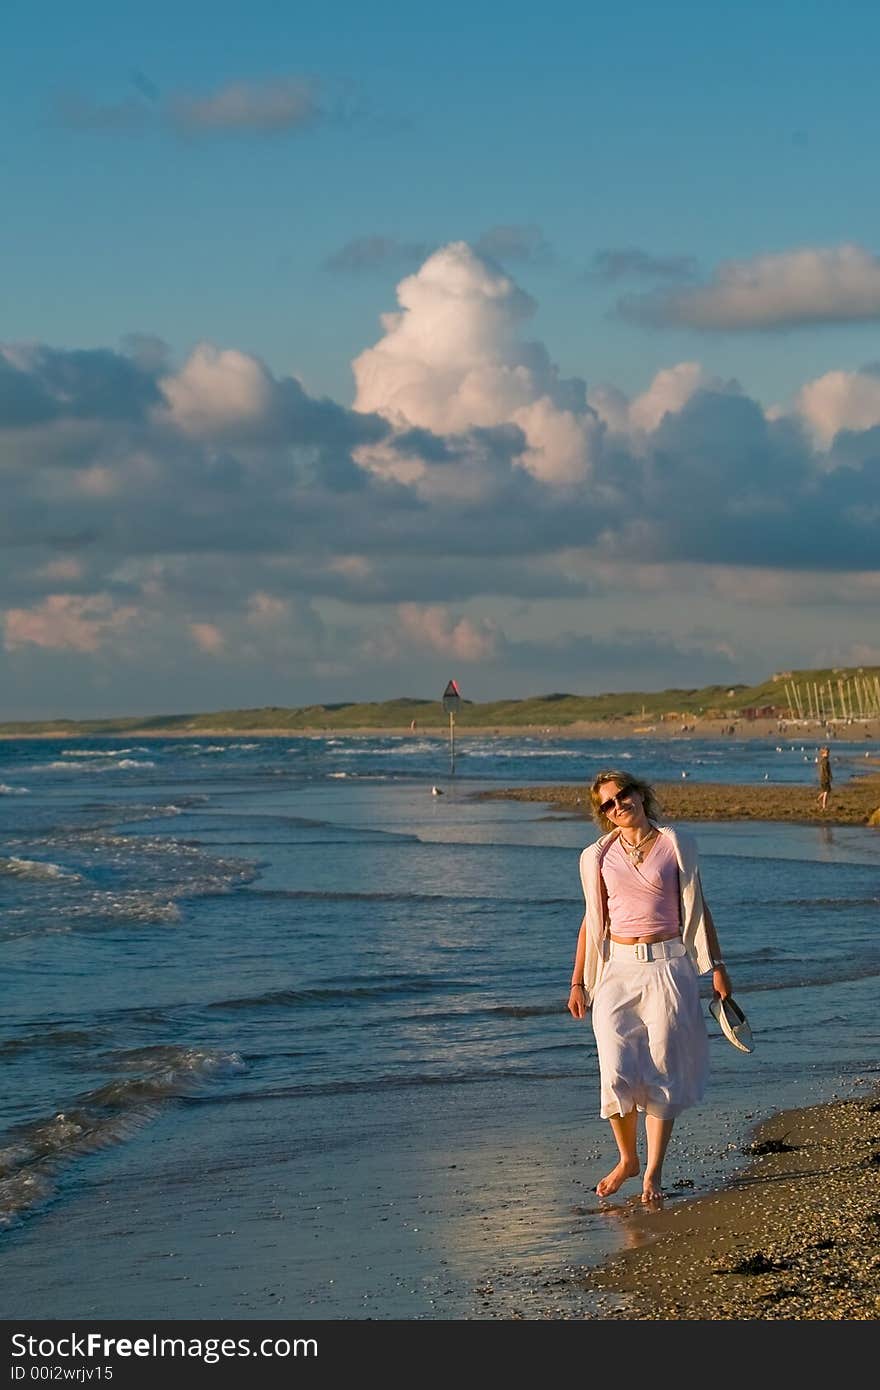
x=668 y=393
x=217 y=511
x=840 y=401
x=68 y=622
x=434 y=627
x=814 y=285
x=367 y=253
x=452 y=359
x=217 y=388
x=208 y=638
x=266 y=611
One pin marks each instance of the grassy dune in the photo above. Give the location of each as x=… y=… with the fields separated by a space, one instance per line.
x=556 y=710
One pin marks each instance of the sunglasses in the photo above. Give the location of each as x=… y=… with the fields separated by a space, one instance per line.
x=625 y=793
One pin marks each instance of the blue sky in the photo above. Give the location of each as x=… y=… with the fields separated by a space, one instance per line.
x=622 y=428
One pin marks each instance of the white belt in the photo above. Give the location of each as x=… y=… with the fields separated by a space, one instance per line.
x=645 y=950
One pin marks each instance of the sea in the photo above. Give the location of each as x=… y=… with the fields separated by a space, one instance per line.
x=284 y=1031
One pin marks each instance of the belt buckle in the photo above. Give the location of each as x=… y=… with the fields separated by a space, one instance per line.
x=643 y=950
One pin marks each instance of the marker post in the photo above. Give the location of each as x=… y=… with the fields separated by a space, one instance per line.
x=451 y=702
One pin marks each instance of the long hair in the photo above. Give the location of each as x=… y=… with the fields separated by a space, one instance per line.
x=623 y=779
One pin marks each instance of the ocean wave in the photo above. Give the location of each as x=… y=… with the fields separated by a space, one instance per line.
x=125 y=907
x=110 y=764
x=520 y=752
x=403 y=896
x=320 y=994
x=6 y=790
x=100 y=752
x=398 y=1082
x=36 y=1153
x=36 y=868
x=50 y=1037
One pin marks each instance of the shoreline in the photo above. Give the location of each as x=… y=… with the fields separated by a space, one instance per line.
x=796 y=1236
x=856 y=802
x=612 y=730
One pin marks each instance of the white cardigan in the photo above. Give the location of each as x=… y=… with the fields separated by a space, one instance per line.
x=693 y=919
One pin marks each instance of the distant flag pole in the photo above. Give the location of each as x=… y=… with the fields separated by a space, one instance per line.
x=451 y=702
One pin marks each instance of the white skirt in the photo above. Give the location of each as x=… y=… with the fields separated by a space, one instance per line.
x=650 y=1035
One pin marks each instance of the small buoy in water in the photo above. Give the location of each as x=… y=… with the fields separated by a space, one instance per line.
x=766 y=776
x=435 y=791
x=684 y=774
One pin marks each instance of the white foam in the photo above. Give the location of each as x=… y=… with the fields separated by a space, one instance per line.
x=35 y=868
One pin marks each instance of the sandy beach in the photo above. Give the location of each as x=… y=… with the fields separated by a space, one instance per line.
x=809 y=731
x=851 y=803
x=795 y=1236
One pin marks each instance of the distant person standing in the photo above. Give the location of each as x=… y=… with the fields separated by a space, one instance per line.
x=824 y=776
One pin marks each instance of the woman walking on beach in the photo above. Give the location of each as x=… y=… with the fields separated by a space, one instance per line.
x=647 y=933
x=824 y=776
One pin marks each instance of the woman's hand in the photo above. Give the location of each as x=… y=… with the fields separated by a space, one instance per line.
x=577 y=1001
x=721 y=981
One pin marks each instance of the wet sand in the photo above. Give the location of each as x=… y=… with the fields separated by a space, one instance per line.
x=794 y=1237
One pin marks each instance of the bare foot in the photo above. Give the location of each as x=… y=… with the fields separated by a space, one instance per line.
x=618 y=1175
x=651 y=1190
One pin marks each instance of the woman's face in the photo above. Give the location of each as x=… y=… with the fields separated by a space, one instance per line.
x=626 y=806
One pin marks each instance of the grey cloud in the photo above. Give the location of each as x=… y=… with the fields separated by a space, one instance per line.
x=783 y=290
x=24 y=400
x=625 y=262
x=270 y=106
x=148 y=352
x=282 y=105
x=513 y=242
x=284 y=501
x=369 y=253
x=45 y=383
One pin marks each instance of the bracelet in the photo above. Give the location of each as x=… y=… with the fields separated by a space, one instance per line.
x=718 y=965
x=577 y=984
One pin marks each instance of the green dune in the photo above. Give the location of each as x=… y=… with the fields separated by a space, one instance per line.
x=557 y=710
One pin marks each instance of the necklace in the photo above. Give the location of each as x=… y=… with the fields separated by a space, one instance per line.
x=635 y=851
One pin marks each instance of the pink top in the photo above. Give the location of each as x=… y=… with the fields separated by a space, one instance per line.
x=643 y=899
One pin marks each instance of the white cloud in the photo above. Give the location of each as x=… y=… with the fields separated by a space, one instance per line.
x=451 y=360
x=838 y=284
x=208 y=638
x=217 y=388
x=69 y=622
x=432 y=626
x=840 y=401
x=669 y=392
x=266 y=611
